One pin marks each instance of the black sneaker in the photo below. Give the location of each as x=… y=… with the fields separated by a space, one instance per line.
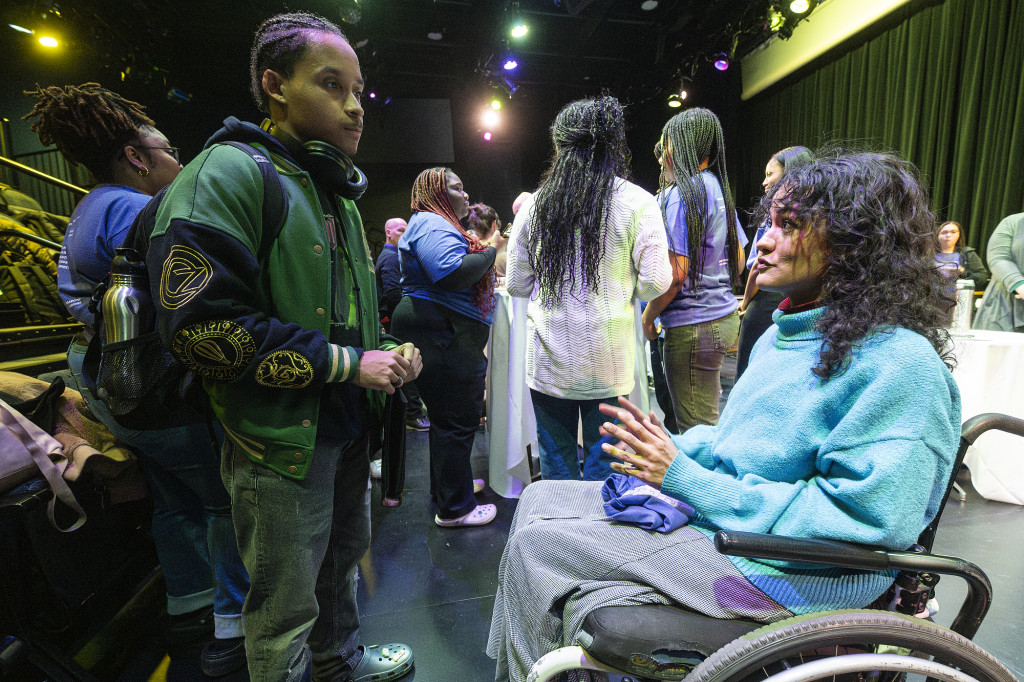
x=223 y=656
x=189 y=629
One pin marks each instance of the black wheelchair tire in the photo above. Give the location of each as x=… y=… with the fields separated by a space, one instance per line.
x=766 y=650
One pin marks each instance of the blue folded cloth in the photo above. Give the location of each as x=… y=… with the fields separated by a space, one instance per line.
x=631 y=500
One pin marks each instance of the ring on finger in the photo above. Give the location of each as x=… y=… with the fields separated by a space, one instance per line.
x=398 y=382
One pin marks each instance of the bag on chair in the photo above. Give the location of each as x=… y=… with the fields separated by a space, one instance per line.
x=26 y=451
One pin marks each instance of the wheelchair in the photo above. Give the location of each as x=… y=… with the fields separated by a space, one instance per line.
x=885 y=642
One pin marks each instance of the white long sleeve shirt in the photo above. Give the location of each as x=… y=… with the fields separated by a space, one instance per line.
x=582 y=347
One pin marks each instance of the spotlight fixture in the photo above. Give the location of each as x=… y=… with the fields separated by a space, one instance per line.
x=519 y=29
x=490 y=118
x=373 y=95
x=675 y=101
x=488 y=136
x=722 y=61
x=48 y=41
x=496 y=104
x=683 y=94
x=648 y=5
x=799 y=6
x=21 y=28
x=435 y=35
x=775 y=20
x=510 y=64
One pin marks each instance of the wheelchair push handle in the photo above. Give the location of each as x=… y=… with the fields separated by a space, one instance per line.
x=975 y=426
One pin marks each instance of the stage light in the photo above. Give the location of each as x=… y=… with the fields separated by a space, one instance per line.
x=487 y=136
x=683 y=94
x=490 y=118
x=675 y=101
x=775 y=20
x=722 y=61
x=21 y=28
x=648 y=5
x=799 y=6
x=435 y=35
x=510 y=64
x=519 y=30
x=496 y=104
x=48 y=41
x=373 y=95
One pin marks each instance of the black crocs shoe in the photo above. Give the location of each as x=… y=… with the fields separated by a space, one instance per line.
x=382 y=662
x=223 y=656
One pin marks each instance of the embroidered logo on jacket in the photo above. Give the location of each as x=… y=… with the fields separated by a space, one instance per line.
x=284 y=369
x=186 y=272
x=218 y=349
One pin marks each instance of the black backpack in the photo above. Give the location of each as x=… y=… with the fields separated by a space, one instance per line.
x=142 y=384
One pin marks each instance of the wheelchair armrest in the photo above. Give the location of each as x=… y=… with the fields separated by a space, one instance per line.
x=811 y=551
x=975 y=426
x=847 y=555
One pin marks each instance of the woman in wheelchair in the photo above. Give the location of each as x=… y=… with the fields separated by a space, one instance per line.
x=844 y=426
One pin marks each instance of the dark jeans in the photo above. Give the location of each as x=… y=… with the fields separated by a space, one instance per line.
x=452 y=387
x=661 y=392
x=756 y=320
x=415 y=410
x=301 y=541
x=557 y=422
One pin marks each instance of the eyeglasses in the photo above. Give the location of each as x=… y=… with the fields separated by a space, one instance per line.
x=173 y=151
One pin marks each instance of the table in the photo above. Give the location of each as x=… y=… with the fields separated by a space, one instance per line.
x=990 y=374
x=511 y=425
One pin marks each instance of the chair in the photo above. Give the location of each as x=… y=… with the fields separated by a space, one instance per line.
x=657 y=642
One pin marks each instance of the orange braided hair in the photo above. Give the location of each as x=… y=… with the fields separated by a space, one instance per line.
x=430 y=193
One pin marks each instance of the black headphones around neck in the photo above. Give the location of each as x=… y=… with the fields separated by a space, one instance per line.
x=329 y=166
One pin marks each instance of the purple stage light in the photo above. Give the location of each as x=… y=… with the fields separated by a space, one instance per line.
x=487 y=136
x=721 y=64
x=373 y=95
x=511 y=64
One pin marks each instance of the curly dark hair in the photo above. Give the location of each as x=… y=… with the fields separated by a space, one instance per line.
x=89 y=124
x=880 y=269
x=571 y=206
x=689 y=138
x=280 y=43
x=480 y=219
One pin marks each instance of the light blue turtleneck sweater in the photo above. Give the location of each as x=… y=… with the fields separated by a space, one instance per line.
x=862 y=457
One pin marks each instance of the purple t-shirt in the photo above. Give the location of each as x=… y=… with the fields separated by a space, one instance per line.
x=715 y=298
x=98 y=226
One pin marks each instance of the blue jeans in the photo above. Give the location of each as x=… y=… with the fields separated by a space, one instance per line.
x=693 y=368
x=301 y=541
x=192 y=528
x=557 y=422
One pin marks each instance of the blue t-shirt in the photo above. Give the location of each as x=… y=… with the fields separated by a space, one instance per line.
x=715 y=298
x=98 y=226
x=430 y=249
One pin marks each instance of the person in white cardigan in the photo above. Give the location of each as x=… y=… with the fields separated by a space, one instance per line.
x=584 y=247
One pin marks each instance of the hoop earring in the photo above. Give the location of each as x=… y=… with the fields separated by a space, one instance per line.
x=144 y=171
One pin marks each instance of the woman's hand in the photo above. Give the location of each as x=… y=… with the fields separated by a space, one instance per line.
x=652 y=448
x=495 y=240
x=650 y=329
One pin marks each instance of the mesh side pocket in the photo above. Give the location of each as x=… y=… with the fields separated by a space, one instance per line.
x=139 y=374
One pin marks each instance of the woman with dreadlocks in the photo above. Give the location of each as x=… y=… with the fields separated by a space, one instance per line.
x=446 y=311
x=706 y=244
x=583 y=248
x=844 y=427
x=195 y=540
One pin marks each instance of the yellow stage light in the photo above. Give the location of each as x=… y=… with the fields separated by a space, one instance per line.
x=48 y=41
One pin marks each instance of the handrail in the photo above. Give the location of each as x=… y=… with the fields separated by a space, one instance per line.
x=29 y=170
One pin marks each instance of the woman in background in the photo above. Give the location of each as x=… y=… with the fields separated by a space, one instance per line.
x=959 y=262
x=192 y=528
x=446 y=310
x=757 y=306
x=705 y=242
x=583 y=248
x=1002 y=306
x=483 y=223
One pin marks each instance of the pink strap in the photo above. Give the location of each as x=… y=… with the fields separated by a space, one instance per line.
x=40 y=446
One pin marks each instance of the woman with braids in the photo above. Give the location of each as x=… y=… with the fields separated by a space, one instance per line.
x=583 y=248
x=844 y=427
x=446 y=311
x=757 y=306
x=192 y=528
x=706 y=244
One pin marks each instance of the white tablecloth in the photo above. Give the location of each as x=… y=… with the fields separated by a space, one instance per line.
x=511 y=424
x=990 y=374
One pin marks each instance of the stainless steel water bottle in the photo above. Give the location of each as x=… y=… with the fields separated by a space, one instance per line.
x=127 y=308
x=964 y=306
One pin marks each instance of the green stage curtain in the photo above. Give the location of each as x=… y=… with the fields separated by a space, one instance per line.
x=944 y=87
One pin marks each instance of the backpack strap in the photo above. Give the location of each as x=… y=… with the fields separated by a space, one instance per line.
x=275 y=200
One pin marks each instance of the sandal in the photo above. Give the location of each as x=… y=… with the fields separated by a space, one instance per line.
x=481 y=516
x=382 y=662
x=478 y=485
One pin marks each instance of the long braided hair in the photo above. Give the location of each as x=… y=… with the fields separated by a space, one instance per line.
x=571 y=206
x=89 y=124
x=430 y=193
x=280 y=43
x=689 y=138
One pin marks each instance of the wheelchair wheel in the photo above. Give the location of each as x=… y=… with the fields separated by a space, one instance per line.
x=791 y=642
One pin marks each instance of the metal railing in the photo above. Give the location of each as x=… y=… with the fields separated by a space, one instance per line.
x=40 y=177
